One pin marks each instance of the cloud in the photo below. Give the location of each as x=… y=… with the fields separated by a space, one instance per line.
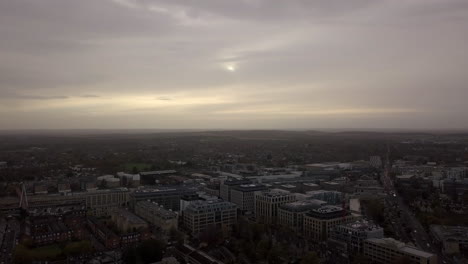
x=40 y=97
x=380 y=61
x=11 y=95
x=163 y=98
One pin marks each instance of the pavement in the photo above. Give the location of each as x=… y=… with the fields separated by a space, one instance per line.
x=8 y=243
x=404 y=218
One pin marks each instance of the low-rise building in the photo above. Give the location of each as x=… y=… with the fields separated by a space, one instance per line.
x=169 y=197
x=157 y=215
x=104 y=202
x=389 y=250
x=354 y=234
x=129 y=180
x=97 y=202
x=212 y=189
x=110 y=239
x=126 y=221
x=40 y=188
x=193 y=255
x=45 y=230
x=152 y=177
x=331 y=197
x=453 y=239
x=112 y=183
x=201 y=215
x=63 y=187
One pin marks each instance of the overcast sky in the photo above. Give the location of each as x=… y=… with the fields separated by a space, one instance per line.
x=234 y=64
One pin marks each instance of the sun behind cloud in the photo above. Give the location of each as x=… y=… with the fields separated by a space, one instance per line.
x=231 y=68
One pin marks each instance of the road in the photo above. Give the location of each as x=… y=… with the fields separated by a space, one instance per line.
x=404 y=218
x=9 y=238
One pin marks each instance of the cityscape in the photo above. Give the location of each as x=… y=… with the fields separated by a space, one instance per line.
x=234 y=197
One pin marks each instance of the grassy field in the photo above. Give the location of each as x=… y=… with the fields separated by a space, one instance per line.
x=128 y=167
x=26 y=255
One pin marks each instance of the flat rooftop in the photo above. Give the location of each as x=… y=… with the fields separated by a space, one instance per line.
x=303 y=206
x=249 y=187
x=362 y=225
x=402 y=247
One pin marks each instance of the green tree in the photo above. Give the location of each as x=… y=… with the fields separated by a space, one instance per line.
x=151 y=250
x=277 y=255
x=130 y=255
x=361 y=259
x=22 y=255
x=176 y=235
x=148 y=251
x=403 y=260
x=78 y=248
x=263 y=247
x=212 y=235
x=375 y=209
x=310 y=258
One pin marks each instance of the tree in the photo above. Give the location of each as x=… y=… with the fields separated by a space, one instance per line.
x=263 y=247
x=151 y=250
x=277 y=255
x=310 y=258
x=361 y=259
x=403 y=260
x=78 y=248
x=130 y=255
x=375 y=209
x=212 y=235
x=148 y=251
x=176 y=235
x=22 y=255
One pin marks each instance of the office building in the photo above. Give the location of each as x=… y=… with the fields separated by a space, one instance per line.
x=331 y=197
x=129 y=180
x=153 y=177
x=292 y=214
x=168 y=197
x=353 y=234
x=375 y=162
x=104 y=202
x=319 y=223
x=212 y=189
x=389 y=250
x=268 y=202
x=453 y=239
x=244 y=196
x=201 y=215
x=226 y=186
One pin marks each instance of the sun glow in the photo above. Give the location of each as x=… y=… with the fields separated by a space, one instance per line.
x=231 y=68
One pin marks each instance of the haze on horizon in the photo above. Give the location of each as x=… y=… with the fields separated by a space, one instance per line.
x=247 y=64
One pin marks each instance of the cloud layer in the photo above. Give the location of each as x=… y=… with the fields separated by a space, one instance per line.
x=233 y=64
